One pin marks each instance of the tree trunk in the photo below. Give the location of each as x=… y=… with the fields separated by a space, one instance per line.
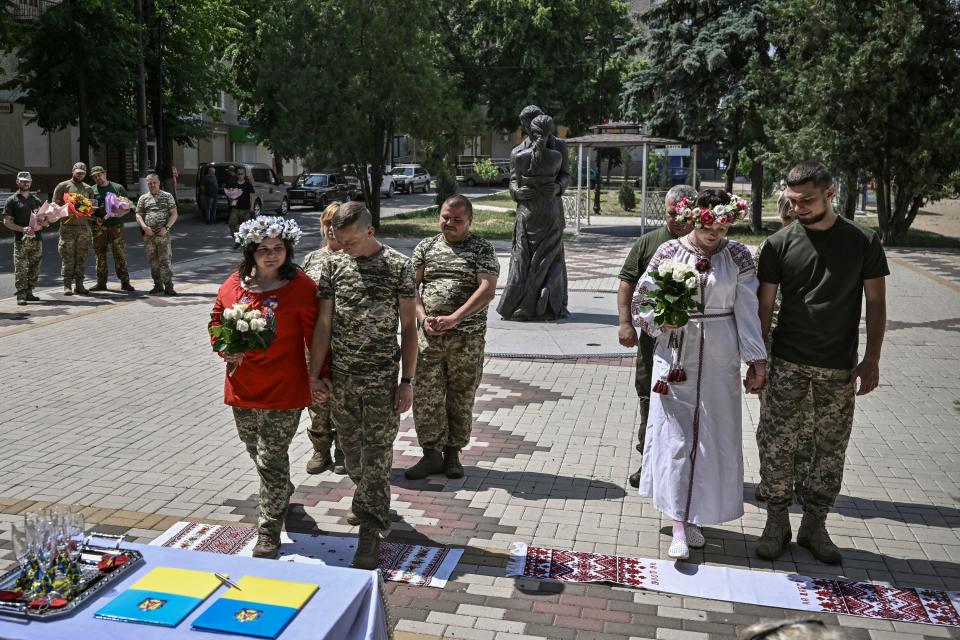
x=732 y=168
x=83 y=119
x=381 y=143
x=141 y=99
x=848 y=194
x=756 y=194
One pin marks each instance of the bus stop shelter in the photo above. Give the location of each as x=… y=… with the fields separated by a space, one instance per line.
x=618 y=136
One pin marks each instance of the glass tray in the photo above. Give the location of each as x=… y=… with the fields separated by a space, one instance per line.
x=92 y=583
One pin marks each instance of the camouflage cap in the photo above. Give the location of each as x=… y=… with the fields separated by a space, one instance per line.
x=24 y=175
x=80 y=167
x=97 y=169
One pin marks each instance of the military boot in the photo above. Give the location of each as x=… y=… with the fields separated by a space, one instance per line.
x=21 y=298
x=431 y=463
x=268 y=546
x=30 y=297
x=813 y=536
x=79 y=289
x=157 y=288
x=100 y=286
x=339 y=467
x=776 y=534
x=352 y=518
x=320 y=462
x=67 y=288
x=126 y=286
x=368 y=549
x=168 y=290
x=451 y=462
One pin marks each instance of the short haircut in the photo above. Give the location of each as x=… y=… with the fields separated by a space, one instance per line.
x=710 y=198
x=458 y=201
x=810 y=171
x=327 y=216
x=680 y=191
x=350 y=214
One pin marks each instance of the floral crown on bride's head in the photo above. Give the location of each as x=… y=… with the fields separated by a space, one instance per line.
x=262 y=227
x=688 y=211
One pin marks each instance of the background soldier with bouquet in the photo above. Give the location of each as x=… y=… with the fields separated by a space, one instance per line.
x=27 y=243
x=74 y=232
x=108 y=232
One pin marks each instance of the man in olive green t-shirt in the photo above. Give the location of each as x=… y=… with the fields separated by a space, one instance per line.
x=633 y=268
x=823 y=267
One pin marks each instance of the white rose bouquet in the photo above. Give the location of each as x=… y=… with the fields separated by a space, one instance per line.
x=672 y=302
x=242 y=330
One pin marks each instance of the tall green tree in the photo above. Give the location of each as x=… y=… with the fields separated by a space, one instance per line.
x=333 y=80
x=873 y=86
x=706 y=78
x=507 y=54
x=191 y=46
x=75 y=67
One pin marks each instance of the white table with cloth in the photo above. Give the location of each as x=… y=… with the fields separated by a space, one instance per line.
x=347 y=606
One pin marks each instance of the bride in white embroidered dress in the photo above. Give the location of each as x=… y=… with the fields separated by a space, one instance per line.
x=693 y=458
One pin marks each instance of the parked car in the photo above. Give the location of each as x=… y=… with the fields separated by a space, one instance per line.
x=387 y=187
x=320 y=188
x=408 y=178
x=270 y=192
x=472 y=179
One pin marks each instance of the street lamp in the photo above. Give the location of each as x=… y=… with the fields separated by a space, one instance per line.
x=604 y=52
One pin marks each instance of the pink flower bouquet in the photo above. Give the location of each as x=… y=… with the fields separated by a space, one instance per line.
x=233 y=195
x=47 y=214
x=116 y=206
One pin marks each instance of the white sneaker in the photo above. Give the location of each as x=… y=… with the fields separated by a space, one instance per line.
x=695 y=537
x=679 y=549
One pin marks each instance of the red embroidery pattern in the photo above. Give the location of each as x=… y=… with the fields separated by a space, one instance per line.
x=741 y=257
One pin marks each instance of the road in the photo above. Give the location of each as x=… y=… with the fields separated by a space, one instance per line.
x=191 y=240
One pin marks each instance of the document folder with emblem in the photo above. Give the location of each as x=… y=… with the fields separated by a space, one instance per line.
x=164 y=597
x=261 y=607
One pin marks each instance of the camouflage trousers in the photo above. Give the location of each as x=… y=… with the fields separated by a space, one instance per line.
x=643 y=382
x=158 y=249
x=361 y=412
x=111 y=238
x=804 y=454
x=449 y=368
x=73 y=246
x=27 y=253
x=267 y=434
x=236 y=218
x=321 y=432
x=804 y=403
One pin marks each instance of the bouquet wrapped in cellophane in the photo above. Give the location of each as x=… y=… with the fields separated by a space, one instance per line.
x=242 y=330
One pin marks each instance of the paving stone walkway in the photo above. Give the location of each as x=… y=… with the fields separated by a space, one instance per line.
x=115 y=404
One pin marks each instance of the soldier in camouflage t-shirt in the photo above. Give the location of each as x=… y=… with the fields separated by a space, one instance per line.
x=456 y=274
x=364 y=290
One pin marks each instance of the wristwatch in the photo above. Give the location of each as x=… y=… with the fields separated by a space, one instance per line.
x=407 y=381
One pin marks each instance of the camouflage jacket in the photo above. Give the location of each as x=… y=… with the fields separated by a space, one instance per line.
x=156 y=209
x=366 y=292
x=450 y=277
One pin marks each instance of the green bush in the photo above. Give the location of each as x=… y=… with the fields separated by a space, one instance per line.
x=486 y=169
x=446 y=185
x=627 y=197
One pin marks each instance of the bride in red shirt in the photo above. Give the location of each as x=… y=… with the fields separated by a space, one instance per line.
x=268 y=389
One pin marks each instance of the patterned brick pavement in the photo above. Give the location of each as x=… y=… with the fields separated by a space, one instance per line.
x=129 y=424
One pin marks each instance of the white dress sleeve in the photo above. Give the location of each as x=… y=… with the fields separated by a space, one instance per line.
x=746 y=307
x=643 y=316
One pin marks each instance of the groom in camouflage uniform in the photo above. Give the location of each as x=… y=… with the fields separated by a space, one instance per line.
x=364 y=290
x=457 y=272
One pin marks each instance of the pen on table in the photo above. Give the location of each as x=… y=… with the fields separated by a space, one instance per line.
x=225 y=580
